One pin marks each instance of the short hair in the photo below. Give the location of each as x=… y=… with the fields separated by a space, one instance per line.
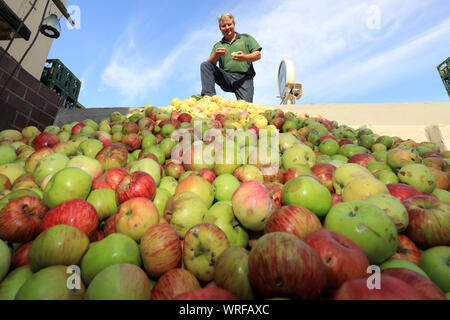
x=225 y=16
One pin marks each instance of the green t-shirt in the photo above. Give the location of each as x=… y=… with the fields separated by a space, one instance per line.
x=243 y=42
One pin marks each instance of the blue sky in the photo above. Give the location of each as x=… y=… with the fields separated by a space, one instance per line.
x=137 y=52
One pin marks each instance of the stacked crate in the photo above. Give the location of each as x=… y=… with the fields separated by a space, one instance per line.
x=444 y=72
x=61 y=80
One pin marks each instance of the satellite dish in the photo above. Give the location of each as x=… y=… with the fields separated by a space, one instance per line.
x=288 y=90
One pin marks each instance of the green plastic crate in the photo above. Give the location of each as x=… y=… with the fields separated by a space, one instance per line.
x=61 y=80
x=444 y=72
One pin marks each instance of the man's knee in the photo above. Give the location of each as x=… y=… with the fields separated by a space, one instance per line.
x=206 y=65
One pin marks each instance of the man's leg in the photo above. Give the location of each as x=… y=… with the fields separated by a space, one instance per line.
x=210 y=75
x=244 y=89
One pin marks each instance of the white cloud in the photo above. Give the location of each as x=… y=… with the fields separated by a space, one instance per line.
x=338 y=48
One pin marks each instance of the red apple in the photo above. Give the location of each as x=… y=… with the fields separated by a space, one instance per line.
x=363 y=159
x=138 y=184
x=132 y=142
x=20 y=256
x=97 y=235
x=45 y=139
x=104 y=137
x=173 y=168
x=210 y=293
x=160 y=249
x=343 y=259
x=208 y=175
x=345 y=141
x=184 y=117
x=135 y=217
x=324 y=171
x=423 y=286
x=328 y=137
x=20 y=219
x=75 y=212
x=110 y=179
x=112 y=155
x=130 y=127
x=337 y=198
x=110 y=225
x=282 y=264
x=391 y=288
x=407 y=250
x=77 y=128
x=173 y=283
x=274 y=191
x=402 y=191
x=293 y=219
x=429 y=221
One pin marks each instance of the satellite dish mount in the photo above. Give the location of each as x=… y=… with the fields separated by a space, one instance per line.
x=288 y=90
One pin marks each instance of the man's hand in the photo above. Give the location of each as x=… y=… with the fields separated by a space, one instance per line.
x=239 y=56
x=220 y=52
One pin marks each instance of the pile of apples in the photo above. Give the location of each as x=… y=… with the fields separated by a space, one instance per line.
x=308 y=209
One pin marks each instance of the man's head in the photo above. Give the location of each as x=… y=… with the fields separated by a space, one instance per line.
x=226 y=25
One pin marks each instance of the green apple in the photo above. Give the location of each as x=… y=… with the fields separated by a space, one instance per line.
x=221 y=214
x=436 y=264
x=51 y=163
x=298 y=154
x=59 y=245
x=51 y=283
x=404 y=264
x=104 y=126
x=52 y=129
x=225 y=185
x=7 y=154
x=231 y=273
x=442 y=195
x=367 y=225
x=12 y=171
x=90 y=148
x=361 y=188
x=67 y=184
x=114 y=249
x=120 y=282
x=307 y=192
x=398 y=157
x=329 y=147
x=160 y=199
x=30 y=131
x=202 y=245
x=148 y=140
x=156 y=151
x=386 y=176
x=287 y=140
x=149 y=166
x=166 y=146
x=169 y=183
x=348 y=172
x=418 y=176
x=249 y=172
x=393 y=208
x=5 y=259
x=104 y=201
x=14 y=281
x=69 y=148
x=376 y=166
x=184 y=210
x=91 y=123
x=88 y=131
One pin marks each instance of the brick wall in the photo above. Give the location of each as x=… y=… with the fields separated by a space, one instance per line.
x=26 y=101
